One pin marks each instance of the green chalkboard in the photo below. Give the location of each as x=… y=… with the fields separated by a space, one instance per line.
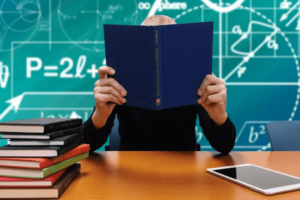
x=50 y=51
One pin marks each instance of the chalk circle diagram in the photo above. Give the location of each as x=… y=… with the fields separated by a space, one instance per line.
x=19 y=20
x=84 y=21
x=222 y=8
x=255 y=79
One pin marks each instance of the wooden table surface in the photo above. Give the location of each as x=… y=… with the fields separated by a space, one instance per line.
x=172 y=175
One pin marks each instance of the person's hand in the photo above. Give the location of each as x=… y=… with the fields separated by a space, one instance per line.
x=213 y=96
x=107 y=93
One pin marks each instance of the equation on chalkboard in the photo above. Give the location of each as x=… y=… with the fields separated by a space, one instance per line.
x=50 y=52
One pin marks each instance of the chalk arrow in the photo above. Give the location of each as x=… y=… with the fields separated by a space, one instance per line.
x=285 y=15
x=245 y=35
x=14 y=104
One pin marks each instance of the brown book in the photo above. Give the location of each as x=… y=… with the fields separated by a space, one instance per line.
x=53 y=192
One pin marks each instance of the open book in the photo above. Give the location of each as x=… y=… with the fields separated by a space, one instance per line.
x=160 y=66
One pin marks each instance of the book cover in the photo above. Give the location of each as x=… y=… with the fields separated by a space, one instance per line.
x=46 y=136
x=39 y=163
x=40 y=173
x=26 y=182
x=160 y=66
x=53 y=192
x=60 y=141
x=39 y=125
x=38 y=151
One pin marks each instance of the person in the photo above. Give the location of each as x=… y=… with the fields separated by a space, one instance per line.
x=167 y=129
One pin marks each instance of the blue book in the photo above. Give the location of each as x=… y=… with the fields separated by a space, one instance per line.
x=160 y=66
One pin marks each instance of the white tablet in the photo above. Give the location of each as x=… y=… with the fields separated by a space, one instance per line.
x=259 y=179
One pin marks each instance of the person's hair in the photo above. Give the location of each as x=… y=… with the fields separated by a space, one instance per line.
x=158 y=20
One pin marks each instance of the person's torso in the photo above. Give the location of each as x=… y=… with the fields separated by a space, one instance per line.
x=168 y=129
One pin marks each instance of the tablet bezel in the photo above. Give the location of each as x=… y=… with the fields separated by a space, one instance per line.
x=270 y=191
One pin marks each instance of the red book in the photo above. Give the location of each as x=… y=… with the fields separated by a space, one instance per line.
x=25 y=182
x=40 y=163
x=36 y=192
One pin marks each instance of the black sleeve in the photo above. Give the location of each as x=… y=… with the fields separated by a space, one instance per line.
x=97 y=137
x=221 y=138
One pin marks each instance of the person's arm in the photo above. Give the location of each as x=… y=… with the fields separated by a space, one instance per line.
x=220 y=137
x=108 y=93
x=97 y=137
x=216 y=125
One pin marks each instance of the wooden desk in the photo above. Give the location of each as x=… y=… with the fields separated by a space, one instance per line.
x=172 y=175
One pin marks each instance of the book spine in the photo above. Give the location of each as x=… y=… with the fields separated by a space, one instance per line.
x=64 y=164
x=158 y=67
x=62 y=125
x=64 y=132
x=70 y=139
x=67 y=181
x=70 y=154
x=70 y=146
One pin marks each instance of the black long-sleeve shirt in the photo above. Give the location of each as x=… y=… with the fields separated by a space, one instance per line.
x=168 y=129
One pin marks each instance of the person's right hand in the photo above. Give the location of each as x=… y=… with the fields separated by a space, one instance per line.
x=107 y=93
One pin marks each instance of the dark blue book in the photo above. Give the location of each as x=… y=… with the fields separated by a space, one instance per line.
x=160 y=66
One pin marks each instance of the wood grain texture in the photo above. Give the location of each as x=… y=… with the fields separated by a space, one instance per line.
x=172 y=175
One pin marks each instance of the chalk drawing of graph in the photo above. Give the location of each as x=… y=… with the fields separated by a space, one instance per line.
x=256 y=52
x=258 y=62
x=90 y=16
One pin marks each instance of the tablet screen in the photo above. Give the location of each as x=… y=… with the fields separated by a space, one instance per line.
x=258 y=177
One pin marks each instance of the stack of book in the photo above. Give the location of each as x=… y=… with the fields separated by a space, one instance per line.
x=41 y=158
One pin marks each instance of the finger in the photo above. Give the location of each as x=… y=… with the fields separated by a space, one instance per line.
x=215 y=98
x=104 y=70
x=112 y=82
x=109 y=90
x=105 y=98
x=208 y=80
x=97 y=83
x=212 y=89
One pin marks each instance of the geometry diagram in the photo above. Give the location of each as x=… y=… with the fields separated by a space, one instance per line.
x=18 y=21
x=84 y=21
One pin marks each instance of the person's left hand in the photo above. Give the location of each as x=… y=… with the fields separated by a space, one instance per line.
x=213 y=96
